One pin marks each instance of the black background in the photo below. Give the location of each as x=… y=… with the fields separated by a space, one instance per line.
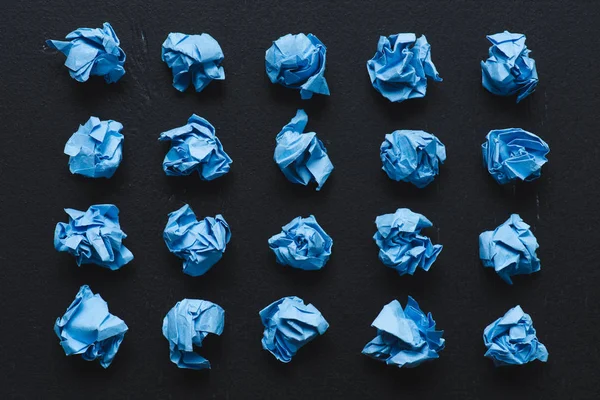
x=42 y=106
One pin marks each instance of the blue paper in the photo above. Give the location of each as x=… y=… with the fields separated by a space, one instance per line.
x=301 y=156
x=401 y=245
x=509 y=70
x=95 y=150
x=290 y=324
x=92 y=51
x=195 y=147
x=302 y=244
x=199 y=243
x=510 y=249
x=514 y=154
x=194 y=59
x=412 y=156
x=511 y=340
x=298 y=62
x=186 y=325
x=405 y=338
x=87 y=328
x=400 y=67
x=93 y=237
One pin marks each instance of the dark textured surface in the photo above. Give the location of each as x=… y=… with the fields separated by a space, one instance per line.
x=42 y=107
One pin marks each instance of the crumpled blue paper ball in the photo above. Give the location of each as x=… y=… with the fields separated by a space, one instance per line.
x=400 y=67
x=412 y=156
x=195 y=147
x=302 y=244
x=405 y=338
x=514 y=154
x=87 y=328
x=300 y=155
x=194 y=59
x=95 y=150
x=509 y=70
x=401 y=245
x=199 y=243
x=298 y=62
x=511 y=340
x=93 y=237
x=92 y=51
x=510 y=249
x=290 y=324
x=186 y=325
